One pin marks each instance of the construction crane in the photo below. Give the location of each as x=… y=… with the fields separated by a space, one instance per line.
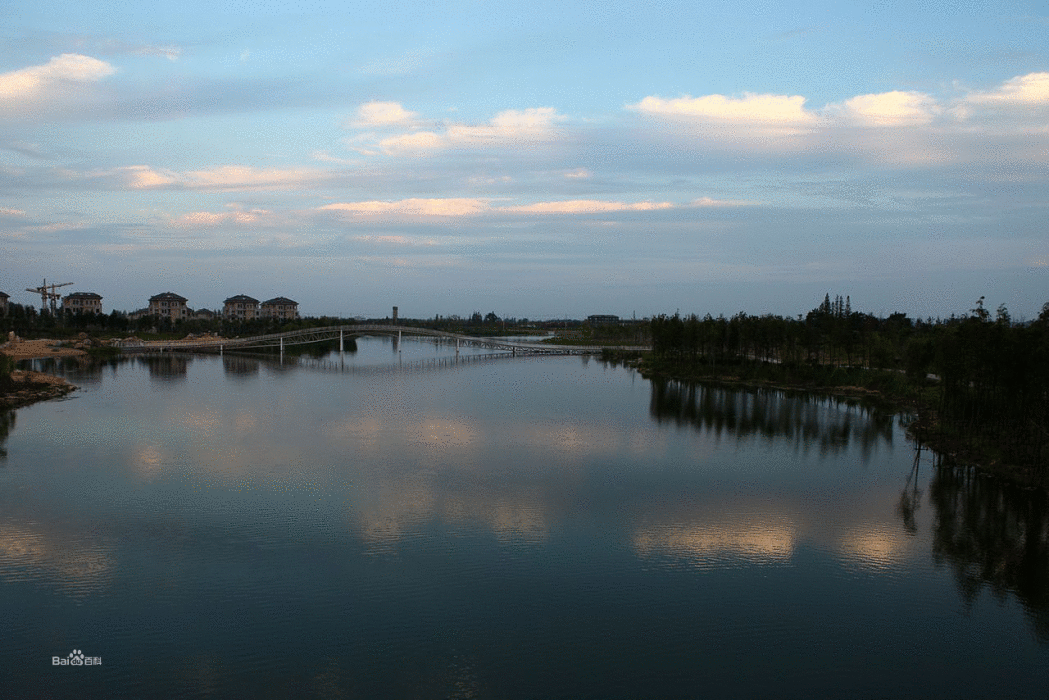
x=48 y=295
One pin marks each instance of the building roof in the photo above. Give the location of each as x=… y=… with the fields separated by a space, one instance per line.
x=168 y=296
x=5 y=296
x=241 y=299
x=276 y=301
x=84 y=295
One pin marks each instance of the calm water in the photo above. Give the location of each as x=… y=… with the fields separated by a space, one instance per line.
x=232 y=527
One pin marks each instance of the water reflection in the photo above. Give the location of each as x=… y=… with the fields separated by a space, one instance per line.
x=240 y=367
x=7 y=424
x=995 y=535
x=808 y=420
x=72 y=561
x=80 y=370
x=166 y=367
x=755 y=539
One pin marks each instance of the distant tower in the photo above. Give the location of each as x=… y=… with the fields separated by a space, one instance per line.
x=395 y=314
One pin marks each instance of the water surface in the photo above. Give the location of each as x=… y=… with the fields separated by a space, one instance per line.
x=380 y=525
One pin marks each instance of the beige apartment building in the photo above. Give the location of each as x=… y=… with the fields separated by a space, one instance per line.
x=169 y=305
x=240 y=308
x=281 y=308
x=82 y=303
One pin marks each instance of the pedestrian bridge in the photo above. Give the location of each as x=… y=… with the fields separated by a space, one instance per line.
x=340 y=333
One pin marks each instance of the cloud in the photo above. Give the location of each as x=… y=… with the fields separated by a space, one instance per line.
x=172 y=53
x=585 y=206
x=4 y=211
x=510 y=128
x=372 y=115
x=412 y=207
x=417 y=143
x=239 y=177
x=205 y=219
x=35 y=81
x=477 y=207
x=708 y=202
x=1029 y=89
x=222 y=179
x=894 y=108
x=142 y=177
x=752 y=109
x=396 y=240
x=579 y=174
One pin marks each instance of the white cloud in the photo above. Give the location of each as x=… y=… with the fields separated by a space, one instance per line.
x=1029 y=89
x=142 y=177
x=412 y=207
x=417 y=143
x=477 y=207
x=36 y=80
x=894 y=108
x=239 y=177
x=769 y=110
x=509 y=128
x=372 y=115
x=4 y=211
x=579 y=174
x=585 y=206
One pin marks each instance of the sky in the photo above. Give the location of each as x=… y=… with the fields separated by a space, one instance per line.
x=536 y=159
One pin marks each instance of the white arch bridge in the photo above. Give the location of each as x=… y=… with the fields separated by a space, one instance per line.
x=341 y=333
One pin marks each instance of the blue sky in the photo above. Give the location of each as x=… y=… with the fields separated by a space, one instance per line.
x=538 y=160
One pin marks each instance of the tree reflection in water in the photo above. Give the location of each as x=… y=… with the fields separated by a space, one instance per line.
x=828 y=423
x=7 y=424
x=994 y=534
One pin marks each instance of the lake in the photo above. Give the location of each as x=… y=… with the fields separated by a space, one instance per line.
x=392 y=524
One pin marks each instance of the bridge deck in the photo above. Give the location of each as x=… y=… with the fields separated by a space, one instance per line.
x=316 y=335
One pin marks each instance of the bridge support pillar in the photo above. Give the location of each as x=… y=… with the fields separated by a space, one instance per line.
x=282 y=349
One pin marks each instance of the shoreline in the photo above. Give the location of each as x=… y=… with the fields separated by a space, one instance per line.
x=924 y=427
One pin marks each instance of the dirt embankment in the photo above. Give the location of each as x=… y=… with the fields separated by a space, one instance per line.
x=26 y=387
x=30 y=349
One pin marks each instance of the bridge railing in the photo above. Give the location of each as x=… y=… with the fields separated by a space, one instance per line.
x=312 y=335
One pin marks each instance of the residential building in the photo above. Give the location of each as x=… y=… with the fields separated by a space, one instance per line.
x=602 y=320
x=240 y=308
x=169 y=305
x=204 y=315
x=82 y=303
x=281 y=308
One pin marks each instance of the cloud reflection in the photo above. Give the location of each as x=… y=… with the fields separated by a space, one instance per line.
x=71 y=561
x=710 y=544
